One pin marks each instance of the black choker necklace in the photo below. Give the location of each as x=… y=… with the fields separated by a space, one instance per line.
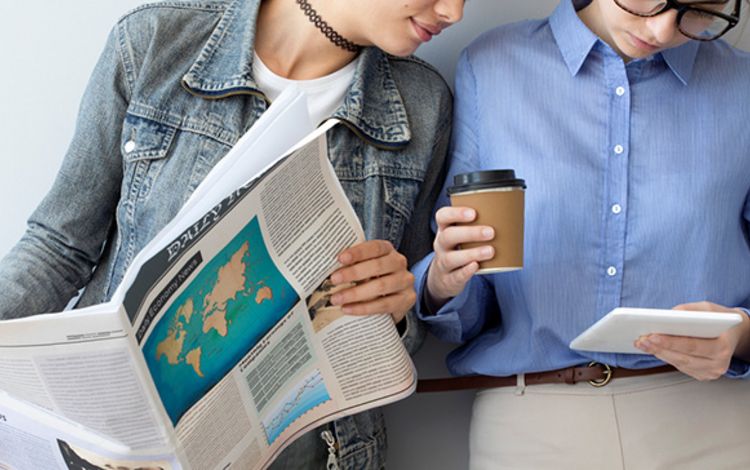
x=326 y=29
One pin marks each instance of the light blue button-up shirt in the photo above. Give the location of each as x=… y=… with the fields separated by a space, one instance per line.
x=638 y=179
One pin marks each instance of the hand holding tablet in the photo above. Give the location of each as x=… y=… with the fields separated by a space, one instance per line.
x=619 y=329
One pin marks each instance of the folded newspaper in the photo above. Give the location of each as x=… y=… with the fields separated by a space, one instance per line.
x=220 y=347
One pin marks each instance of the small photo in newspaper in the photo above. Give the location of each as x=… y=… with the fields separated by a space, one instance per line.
x=77 y=458
x=322 y=312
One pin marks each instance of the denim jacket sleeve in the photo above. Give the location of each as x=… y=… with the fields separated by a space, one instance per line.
x=418 y=236
x=65 y=235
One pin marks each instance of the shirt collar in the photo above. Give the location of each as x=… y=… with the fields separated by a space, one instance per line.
x=681 y=60
x=574 y=38
x=576 y=41
x=224 y=68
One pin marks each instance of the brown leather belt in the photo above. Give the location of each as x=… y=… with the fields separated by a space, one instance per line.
x=598 y=375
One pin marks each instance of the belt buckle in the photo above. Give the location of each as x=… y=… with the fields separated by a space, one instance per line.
x=598 y=383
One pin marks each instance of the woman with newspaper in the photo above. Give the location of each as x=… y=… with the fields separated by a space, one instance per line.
x=179 y=83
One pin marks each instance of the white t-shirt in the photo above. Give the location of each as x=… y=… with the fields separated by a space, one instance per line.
x=324 y=94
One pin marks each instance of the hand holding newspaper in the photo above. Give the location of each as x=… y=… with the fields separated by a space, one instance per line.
x=219 y=347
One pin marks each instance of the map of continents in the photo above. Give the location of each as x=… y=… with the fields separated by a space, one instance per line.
x=232 y=302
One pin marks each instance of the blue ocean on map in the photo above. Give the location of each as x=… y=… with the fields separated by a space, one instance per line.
x=235 y=299
x=310 y=393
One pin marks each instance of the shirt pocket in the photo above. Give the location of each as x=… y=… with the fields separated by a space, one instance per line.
x=145 y=144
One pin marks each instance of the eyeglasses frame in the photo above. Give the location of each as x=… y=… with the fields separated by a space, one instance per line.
x=682 y=8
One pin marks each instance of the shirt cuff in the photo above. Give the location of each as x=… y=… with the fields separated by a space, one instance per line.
x=739 y=369
x=451 y=307
x=420 y=285
x=446 y=324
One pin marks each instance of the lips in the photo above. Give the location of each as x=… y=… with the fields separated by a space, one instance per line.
x=425 y=31
x=641 y=44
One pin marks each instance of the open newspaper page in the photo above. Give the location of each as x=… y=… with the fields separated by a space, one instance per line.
x=83 y=366
x=243 y=347
x=32 y=437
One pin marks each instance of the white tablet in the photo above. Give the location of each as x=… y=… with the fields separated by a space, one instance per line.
x=619 y=329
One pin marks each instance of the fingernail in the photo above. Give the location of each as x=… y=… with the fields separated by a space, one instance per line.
x=336 y=299
x=336 y=278
x=486 y=251
x=345 y=258
x=469 y=214
x=654 y=340
x=487 y=233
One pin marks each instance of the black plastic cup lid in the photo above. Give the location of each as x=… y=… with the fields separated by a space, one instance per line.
x=489 y=179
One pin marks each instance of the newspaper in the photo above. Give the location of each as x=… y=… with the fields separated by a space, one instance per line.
x=220 y=347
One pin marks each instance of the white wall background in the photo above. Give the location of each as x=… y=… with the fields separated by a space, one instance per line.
x=47 y=51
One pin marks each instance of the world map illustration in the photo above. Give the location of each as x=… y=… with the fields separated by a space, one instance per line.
x=234 y=300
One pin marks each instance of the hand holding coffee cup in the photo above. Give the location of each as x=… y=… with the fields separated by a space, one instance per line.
x=481 y=233
x=497 y=196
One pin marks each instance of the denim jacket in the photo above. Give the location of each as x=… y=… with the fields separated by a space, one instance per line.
x=175 y=79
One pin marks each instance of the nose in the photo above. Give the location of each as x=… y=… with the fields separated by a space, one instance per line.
x=663 y=27
x=450 y=11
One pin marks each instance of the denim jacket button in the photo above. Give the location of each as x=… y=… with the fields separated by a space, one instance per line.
x=129 y=146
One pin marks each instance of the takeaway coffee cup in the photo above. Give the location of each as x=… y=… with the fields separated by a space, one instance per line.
x=498 y=198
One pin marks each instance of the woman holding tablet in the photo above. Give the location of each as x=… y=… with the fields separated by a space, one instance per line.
x=628 y=121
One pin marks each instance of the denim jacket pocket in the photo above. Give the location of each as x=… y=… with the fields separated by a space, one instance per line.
x=144 y=139
x=401 y=195
x=145 y=144
x=383 y=196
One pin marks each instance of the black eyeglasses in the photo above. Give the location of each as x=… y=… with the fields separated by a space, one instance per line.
x=702 y=20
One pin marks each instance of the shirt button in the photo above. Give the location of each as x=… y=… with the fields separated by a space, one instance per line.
x=620 y=91
x=619 y=149
x=129 y=146
x=616 y=209
x=611 y=271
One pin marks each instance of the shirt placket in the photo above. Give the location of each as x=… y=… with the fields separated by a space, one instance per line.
x=615 y=208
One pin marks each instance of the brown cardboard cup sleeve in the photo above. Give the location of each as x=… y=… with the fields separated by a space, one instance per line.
x=497 y=196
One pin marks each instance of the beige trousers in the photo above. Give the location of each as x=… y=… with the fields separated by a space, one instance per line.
x=663 y=421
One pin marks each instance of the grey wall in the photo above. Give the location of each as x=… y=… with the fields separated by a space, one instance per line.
x=47 y=50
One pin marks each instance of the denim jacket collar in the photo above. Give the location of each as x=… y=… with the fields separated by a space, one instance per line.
x=224 y=68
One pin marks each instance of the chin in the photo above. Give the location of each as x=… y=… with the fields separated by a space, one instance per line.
x=632 y=52
x=639 y=54
x=402 y=51
x=403 y=48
